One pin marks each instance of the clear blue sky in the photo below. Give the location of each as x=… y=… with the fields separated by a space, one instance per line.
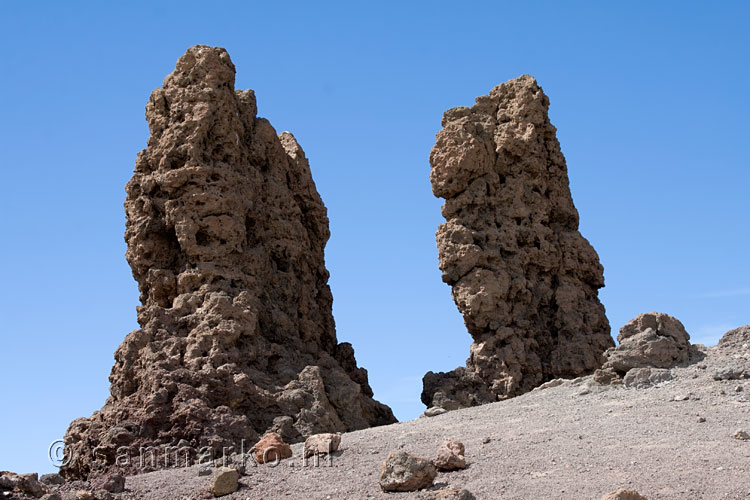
x=650 y=100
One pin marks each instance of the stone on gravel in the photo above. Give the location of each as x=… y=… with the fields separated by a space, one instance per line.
x=642 y=378
x=402 y=471
x=447 y=494
x=322 y=444
x=225 y=235
x=434 y=411
x=52 y=479
x=624 y=494
x=450 y=456
x=523 y=277
x=204 y=471
x=114 y=483
x=271 y=448
x=728 y=373
x=650 y=340
x=51 y=496
x=741 y=435
x=85 y=495
x=225 y=481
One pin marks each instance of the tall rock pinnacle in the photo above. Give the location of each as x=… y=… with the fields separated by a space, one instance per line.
x=225 y=234
x=522 y=275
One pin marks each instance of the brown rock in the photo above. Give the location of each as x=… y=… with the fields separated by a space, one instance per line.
x=651 y=340
x=27 y=484
x=85 y=495
x=322 y=444
x=226 y=235
x=404 y=472
x=225 y=481
x=52 y=479
x=271 y=448
x=450 y=456
x=113 y=483
x=623 y=494
x=522 y=275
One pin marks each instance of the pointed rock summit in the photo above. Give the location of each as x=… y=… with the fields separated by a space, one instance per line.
x=521 y=274
x=225 y=235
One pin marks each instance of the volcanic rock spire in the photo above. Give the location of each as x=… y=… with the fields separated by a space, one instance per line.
x=522 y=275
x=226 y=235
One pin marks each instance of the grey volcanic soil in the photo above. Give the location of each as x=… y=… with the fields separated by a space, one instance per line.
x=576 y=440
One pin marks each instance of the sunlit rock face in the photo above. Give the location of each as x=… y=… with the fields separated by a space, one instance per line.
x=521 y=274
x=226 y=234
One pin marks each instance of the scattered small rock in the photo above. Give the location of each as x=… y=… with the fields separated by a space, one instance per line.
x=225 y=481
x=52 y=479
x=402 y=471
x=447 y=494
x=741 y=435
x=271 y=448
x=739 y=388
x=450 y=456
x=681 y=397
x=701 y=420
x=204 y=471
x=486 y=440
x=624 y=494
x=322 y=444
x=84 y=495
x=51 y=496
x=434 y=411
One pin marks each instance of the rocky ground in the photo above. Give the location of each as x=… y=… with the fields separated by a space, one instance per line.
x=568 y=440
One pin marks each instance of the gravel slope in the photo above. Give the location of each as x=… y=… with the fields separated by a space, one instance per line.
x=573 y=441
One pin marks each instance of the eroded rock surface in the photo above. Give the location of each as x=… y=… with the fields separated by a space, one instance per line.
x=226 y=234
x=738 y=338
x=322 y=444
x=450 y=456
x=522 y=275
x=650 y=340
x=271 y=448
x=402 y=471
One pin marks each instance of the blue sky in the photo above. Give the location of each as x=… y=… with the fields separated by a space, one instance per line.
x=649 y=99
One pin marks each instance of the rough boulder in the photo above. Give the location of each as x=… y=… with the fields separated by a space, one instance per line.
x=522 y=275
x=225 y=237
x=650 y=340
